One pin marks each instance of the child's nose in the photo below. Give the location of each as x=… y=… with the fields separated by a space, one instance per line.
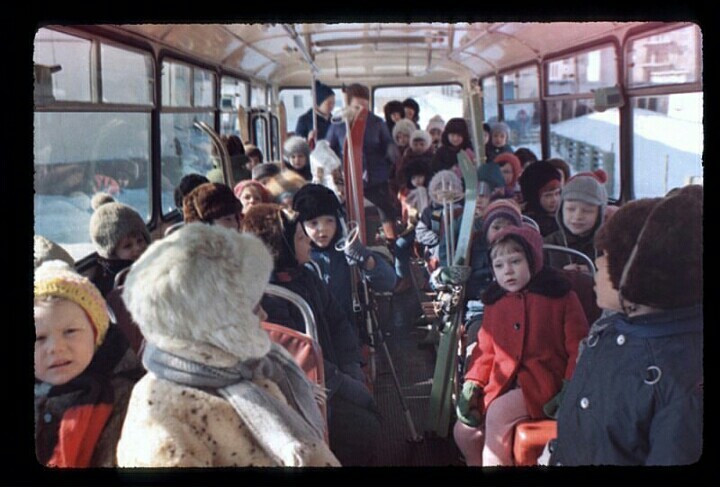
x=55 y=345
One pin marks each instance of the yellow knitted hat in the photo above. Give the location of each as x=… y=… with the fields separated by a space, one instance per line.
x=56 y=278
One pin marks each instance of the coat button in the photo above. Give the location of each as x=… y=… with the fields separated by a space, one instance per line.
x=620 y=339
x=516 y=326
x=584 y=403
x=47 y=417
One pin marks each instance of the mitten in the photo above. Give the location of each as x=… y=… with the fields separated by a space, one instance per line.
x=357 y=253
x=468 y=399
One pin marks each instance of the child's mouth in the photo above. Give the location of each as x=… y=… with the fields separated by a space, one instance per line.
x=59 y=364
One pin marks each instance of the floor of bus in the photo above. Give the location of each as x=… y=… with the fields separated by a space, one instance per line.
x=414 y=365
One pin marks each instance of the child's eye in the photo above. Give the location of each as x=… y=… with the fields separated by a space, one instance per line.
x=40 y=338
x=71 y=331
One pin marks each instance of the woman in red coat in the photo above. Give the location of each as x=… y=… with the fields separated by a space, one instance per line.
x=526 y=348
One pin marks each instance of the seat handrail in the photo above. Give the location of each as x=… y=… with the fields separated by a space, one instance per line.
x=530 y=221
x=572 y=251
x=300 y=303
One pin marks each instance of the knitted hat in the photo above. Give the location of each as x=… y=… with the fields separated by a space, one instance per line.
x=264 y=194
x=275 y=226
x=444 y=182
x=296 y=144
x=536 y=176
x=208 y=202
x=201 y=284
x=188 y=183
x=435 y=122
x=586 y=187
x=111 y=222
x=57 y=278
x=502 y=208
x=265 y=170
x=403 y=126
x=46 y=250
x=315 y=200
x=514 y=162
x=530 y=239
x=322 y=92
x=654 y=249
x=499 y=127
x=491 y=174
x=357 y=90
x=419 y=134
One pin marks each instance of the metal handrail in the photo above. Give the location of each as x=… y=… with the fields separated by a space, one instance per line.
x=225 y=164
x=572 y=251
x=530 y=221
x=300 y=303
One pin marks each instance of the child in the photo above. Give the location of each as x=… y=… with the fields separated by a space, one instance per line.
x=540 y=184
x=582 y=207
x=499 y=141
x=401 y=136
x=320 y=213
x=526 y=347
x=255 y=157
x=511 y=170
x=297 y=157
x=264 y=172
x=214 y=204
x=394 y=111
x=84 y=372
x=250 y=193
x=418 y=148
x=218 y=392
x=412 y=111
x=526 y=156
x=455 y=137
x=353 y=419
x=435 y=128
x=120 y=237
x=636 y=397
x=283 y=186
x=187 y=183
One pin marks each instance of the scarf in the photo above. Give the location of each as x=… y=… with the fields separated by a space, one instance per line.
x=286 y=433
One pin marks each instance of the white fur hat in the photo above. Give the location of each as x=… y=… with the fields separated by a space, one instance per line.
x=423 y=135
x=403 y=126
x=445 y=184
x=436 y=122
x=201 y=284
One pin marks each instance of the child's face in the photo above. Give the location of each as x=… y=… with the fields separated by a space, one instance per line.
x=436 y=134
x=418 y=180
x=481 y=204
x=249 y=197
x=396 y=116
x=64 y=341
x=495 y=227
x=228 y=221
x=254 y=160
x=131 y=246
x=507 y=173
x=409 y=112
x=607 y=296
x=455 y=139
x=321 y=230
x=510 y=267
x=302 y=246
x=418 y=145
x=550 y=200
x=579 y=217
x=298 y=160
x=499 y=139
x=402 y=139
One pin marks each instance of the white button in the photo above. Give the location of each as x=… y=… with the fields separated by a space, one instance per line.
x=584 y=403
x=47 y=417
x=620 y=339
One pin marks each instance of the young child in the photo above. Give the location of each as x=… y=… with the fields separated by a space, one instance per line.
x=499 y=141
x=582 y=207
x=297 y=157
x=401 y=133
x=283 y=186
x=526 y=347
x=435 y=128
x=511 y=169
x=250 y=193
x=412 y=111
x=255 y=157
x=218 y=392
x=418 y=148
x=394 y=111
x=320 y=214
x=120 y=237
x=636 y=397
x=455 y=137
x=540 y=184
x=187 y=183
x=353 y=419
x=214 y=204
x=84 y=371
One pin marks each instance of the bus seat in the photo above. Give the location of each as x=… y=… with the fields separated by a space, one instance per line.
x=531 y=437
x=124 y=321
x=173 y=227
x=305 y=351
x=581 y=282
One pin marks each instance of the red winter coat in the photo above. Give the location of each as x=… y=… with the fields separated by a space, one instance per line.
x=532 y=335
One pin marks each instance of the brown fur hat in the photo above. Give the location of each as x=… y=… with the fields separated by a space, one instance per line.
x=656 y=244
x=275 y=226
x=208 y=202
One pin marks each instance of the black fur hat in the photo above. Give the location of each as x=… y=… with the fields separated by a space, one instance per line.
x=314 y=200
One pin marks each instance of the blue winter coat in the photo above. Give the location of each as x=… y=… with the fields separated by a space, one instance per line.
x=305 y=125
x=378 y=148
x=636 y=397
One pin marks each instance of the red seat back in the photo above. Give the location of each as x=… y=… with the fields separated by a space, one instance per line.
x=531 y=437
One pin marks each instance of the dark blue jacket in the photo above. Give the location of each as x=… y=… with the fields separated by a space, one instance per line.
x=636 y=397
x=377 y=148
x=491 y=151
x=305 y=124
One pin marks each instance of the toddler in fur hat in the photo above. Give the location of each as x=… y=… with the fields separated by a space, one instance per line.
x=120 y=237
x=84 y=371
x=643 y=358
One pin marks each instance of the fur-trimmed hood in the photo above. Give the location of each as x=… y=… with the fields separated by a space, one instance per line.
x=548 y=282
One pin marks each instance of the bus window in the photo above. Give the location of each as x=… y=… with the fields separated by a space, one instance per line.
x=81 y=152
x=299 y=100
x=490 y=99
x=443 y=100
x=188 y=97
x=521 y=104
x=260 y=130
x=233 y=96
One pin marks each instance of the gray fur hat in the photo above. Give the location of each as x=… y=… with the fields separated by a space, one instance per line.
x=500 y=127
x=46 y=250
x=403 y=126
x=296 y=144
x=111 y=222
x=423 y=135
x=200 y=285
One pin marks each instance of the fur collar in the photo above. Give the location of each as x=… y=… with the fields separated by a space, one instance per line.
x=548 y=282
